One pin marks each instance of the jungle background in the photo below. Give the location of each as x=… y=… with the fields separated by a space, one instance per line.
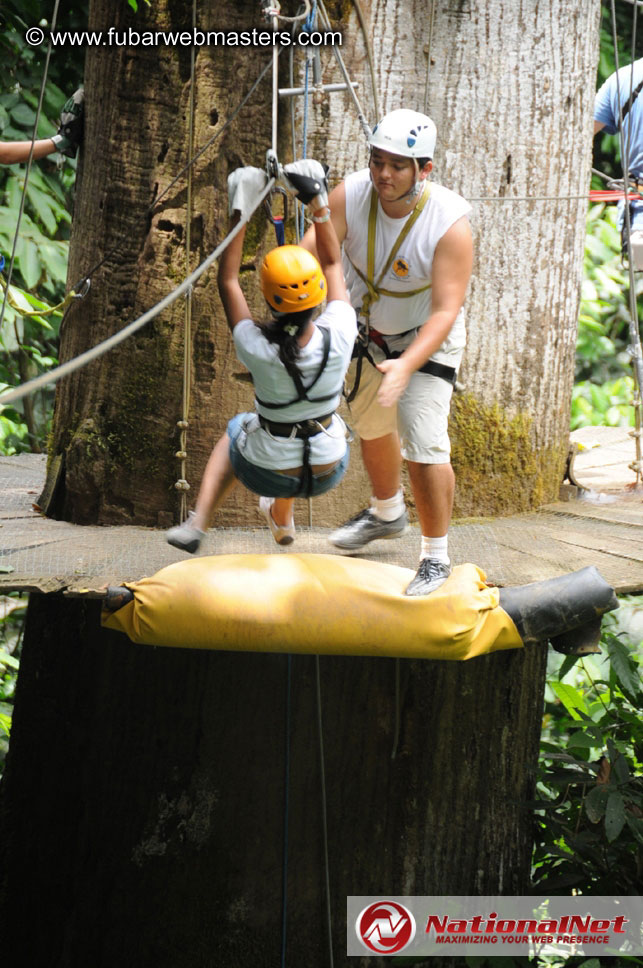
x=588 y=818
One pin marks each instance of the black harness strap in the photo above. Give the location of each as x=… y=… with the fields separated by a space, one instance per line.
x=627 y=107
x=361 y=352
x=295 y=376
x=306 y=479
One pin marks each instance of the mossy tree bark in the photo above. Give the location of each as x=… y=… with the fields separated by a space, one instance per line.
x=144 y=790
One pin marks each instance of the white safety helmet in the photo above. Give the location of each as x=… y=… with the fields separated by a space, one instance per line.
x=404 y=132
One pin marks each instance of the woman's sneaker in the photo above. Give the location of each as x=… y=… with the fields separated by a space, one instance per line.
x=185 y=536
x=283 y=534
x=365 y=527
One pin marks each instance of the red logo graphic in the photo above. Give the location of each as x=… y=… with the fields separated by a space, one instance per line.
x=385 y=927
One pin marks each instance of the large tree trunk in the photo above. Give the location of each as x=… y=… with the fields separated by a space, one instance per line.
x=143 y=822
x=142 y=814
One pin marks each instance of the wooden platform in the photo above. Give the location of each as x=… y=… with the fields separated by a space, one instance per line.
x=605 y=529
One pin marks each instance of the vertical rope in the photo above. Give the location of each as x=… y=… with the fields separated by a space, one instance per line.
x=284 y=865
x=182 y=484
x=322 y=770
x=428 y=57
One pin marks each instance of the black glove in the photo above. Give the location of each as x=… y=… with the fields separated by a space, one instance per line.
x=72 y=119
x=306 y=180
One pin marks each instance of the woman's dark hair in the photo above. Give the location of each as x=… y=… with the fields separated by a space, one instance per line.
x=284 y=330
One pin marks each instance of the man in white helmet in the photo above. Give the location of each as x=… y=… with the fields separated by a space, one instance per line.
x=407 y=253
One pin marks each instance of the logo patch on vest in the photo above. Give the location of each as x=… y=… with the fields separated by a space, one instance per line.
x=401 y=268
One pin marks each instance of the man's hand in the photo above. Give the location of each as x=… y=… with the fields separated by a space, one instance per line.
x=394 y=382
x=244 y=185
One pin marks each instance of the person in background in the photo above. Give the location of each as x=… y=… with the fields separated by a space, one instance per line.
x=66 y=140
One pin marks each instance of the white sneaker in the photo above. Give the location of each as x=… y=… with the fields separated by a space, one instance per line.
x=283 y=534
x=185 y=536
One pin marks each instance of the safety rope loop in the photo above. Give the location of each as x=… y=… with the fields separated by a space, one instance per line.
x=182 y=485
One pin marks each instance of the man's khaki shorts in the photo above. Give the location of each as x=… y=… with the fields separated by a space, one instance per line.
x=421 y=416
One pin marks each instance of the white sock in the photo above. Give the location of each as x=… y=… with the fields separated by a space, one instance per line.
x=390 y=508
x=437 y=548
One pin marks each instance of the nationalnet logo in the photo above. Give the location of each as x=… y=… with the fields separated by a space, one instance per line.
x=597 y=925
x=385 y=927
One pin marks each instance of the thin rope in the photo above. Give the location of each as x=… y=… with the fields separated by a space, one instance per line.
x=396 y=724
x=29 y=162
x=284 y=865
x=99 y=350
x=635 y=338
x=526 y=198
x=428 y=58
x=182 y=484
x=349 y=86
x=322 y=770
x=214 y=138
x=369 y=56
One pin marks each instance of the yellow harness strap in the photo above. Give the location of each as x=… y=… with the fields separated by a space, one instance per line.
x=374 y=290
x=36 y=312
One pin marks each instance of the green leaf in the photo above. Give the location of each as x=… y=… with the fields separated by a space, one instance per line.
x=626 y=672
x=583 y=740
x=571 y=698
x=30 y=263
x=43 y=208
x=615 y=815
x=23 y=115
x=9 y=661
x=595 y=803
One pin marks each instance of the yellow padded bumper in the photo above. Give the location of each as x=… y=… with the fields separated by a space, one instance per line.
x=314 y=603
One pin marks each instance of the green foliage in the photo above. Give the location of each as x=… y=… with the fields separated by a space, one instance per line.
x=590 y=812
x=604 y=386
x=28 y=345
x=12 y=617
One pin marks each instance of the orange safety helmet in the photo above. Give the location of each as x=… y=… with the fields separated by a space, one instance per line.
x=292 y=280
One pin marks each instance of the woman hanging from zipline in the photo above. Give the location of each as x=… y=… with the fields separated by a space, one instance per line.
x=294 y=443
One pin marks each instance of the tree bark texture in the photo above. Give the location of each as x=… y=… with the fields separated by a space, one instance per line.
x=143 y=806
x=511 y=89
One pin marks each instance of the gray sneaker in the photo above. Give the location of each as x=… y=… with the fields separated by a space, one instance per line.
x=185 y=536
x=365 y=527
x=430 y=575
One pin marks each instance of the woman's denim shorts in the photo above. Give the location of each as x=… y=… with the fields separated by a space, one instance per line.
x=269 y=483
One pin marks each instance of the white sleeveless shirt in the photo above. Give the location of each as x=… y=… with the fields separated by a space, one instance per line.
x=411 y=268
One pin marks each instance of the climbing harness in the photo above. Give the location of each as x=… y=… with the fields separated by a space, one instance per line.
x=375 y=290
x=302 y=429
